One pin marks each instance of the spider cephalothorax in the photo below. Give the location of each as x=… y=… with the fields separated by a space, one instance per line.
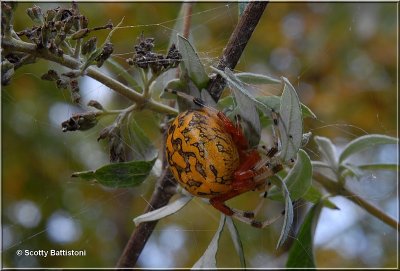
x=210 y=157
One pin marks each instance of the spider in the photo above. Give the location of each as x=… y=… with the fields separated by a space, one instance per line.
x=210 y=157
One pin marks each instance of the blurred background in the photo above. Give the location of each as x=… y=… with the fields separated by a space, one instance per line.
x=341 y=57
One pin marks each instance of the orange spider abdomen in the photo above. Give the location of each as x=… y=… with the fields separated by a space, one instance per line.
x=202 y=156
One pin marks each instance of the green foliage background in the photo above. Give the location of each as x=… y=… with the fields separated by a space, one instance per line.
x=342 y=62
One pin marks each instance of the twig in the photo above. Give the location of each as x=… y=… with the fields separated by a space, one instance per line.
x=236 y=44
x=232 y=53
x=187 y=19
x=161 y=196
x=10 y=44
x=334 y=188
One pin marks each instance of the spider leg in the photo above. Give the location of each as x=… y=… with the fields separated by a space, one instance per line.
x=219 y=202
x=246 y=179
x=255 y=223
x=243 y=181
x=243 y=216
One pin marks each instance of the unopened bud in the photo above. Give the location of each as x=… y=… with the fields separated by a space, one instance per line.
x=35 y=13
x=95 y=104
x=81 y=122
x=80 y=34
x=51 y=75
x=50 y=15
x=7 y=70
x=89 y=46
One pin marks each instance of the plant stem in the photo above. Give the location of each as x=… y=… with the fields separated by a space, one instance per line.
x=10 y=44
x=236 y=44
x=161 y=196
x=187 y=19
x=335 y=189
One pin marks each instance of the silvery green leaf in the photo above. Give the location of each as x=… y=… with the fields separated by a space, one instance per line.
x=236 y=240
x=290 y=124
x=187 y=87
x=274 y=102
x=288 y=219
x=119 y=175
x=246 y=108
x=298 y=180
x=163 y=211
x=254 y=78
x=208 y=259
x=178 y=26
x=394 y=167
x=191 y=62
x=319 y=164
x=364 y=142
x=327 y=150
x=306 y=112
x=207 y=98
x=301 y=254
x=313 y=195
x=238 y=85
x=306 y=138
x=347 y=169
x=158 y=86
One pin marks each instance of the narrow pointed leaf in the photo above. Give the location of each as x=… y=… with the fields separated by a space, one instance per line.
x=236 y=240
x=357 y=170
x=163 y=211
x=327 y=150
x=306 y=138
x=364 y=142
x=319 y=164
x=290 y=124
x=306 y=112
x=274 y=103
x=288 y=219
x=301 y=254
x=313 y=195
x=393 y=167
x=298 y=180
x=208 y=259
x=254 y=78
x=329 y=204
x=347 y=169
x=246 y=108
x=118 y=175
x=238 y=85
x=207 y=98
x=166 y=80
x=226 y=102
x=178 y=26
x=192 y=63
